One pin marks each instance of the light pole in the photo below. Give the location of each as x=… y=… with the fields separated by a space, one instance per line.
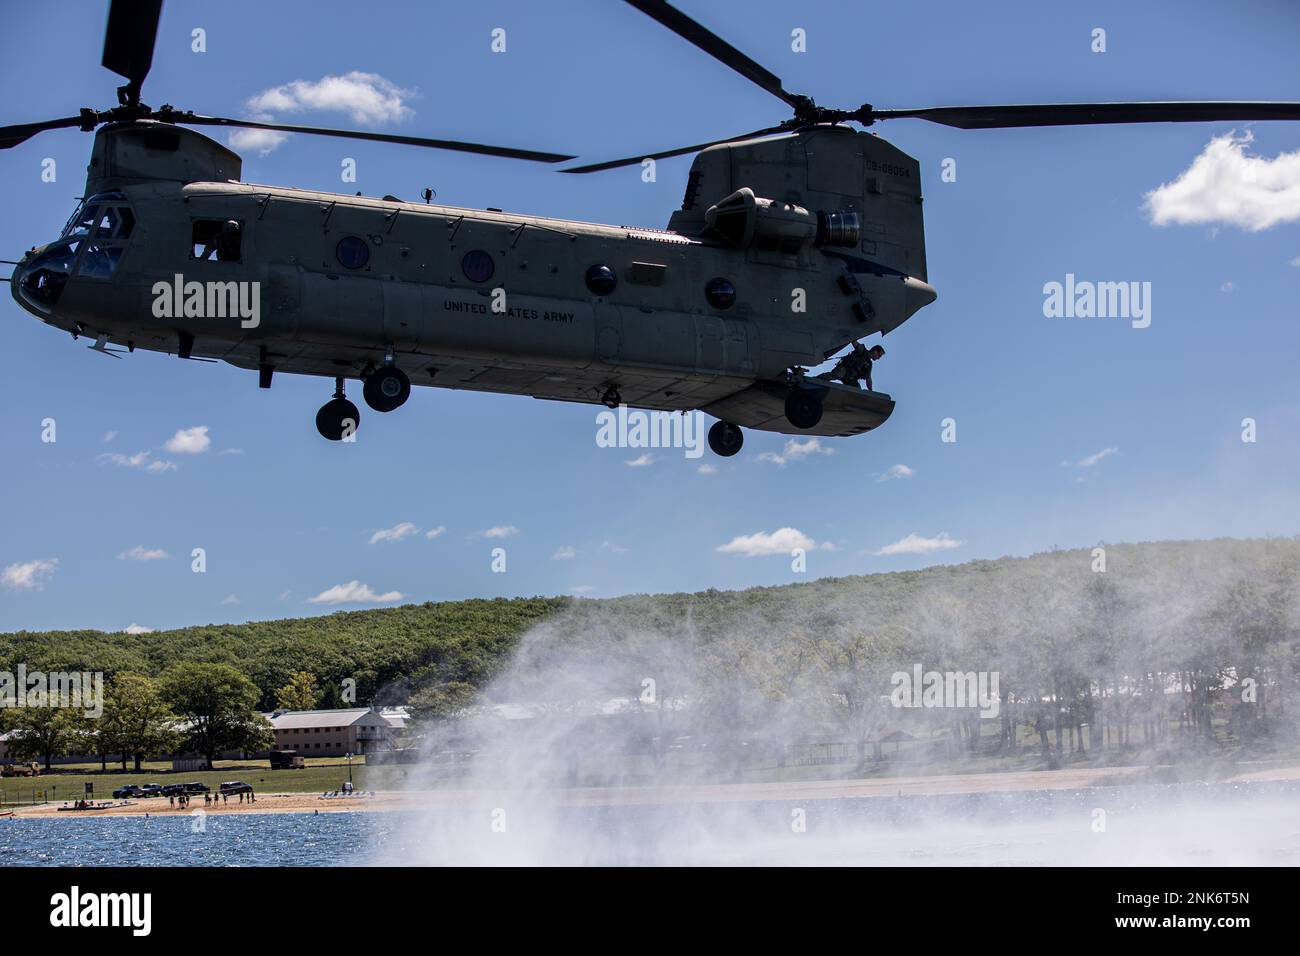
x=349 y=766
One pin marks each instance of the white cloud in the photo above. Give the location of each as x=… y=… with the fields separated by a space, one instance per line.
x=896 y=471
x=796 y=450
x=109 y=436
x=354 y=592
x=762 y=544
x=1094 y=458
x=915 y=544
x=582 y=589
x=396 y=533
x=365 y=98
x=29 y=575
x=1228 y=287
x=260 y=141
x=141 y=553
x=565 y=553
x=1296 y=262
x=500 y=531
x=231 y=451
x=611 y=546
x=1225 y=186
x=189 y=441
x=134 y=628
x=640 y=461
x=435 y=532
x=707 y=469
x=141 y=459
x=230 y=599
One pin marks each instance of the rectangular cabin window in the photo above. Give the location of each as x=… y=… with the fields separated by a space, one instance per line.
x=219 y=240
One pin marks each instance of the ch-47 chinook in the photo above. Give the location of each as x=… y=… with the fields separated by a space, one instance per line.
x=159 y=253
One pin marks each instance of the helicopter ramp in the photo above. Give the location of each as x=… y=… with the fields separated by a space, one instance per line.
x=848 y=410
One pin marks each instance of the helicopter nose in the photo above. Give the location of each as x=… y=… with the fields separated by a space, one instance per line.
x=39 y=277
x=18 y=275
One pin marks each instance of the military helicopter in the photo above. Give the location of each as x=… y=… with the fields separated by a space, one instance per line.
x=791 y=242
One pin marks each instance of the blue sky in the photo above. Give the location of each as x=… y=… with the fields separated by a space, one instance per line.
x=1069 y=431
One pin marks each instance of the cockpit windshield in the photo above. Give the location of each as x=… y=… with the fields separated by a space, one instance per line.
x=107 y=215
x=91 y=246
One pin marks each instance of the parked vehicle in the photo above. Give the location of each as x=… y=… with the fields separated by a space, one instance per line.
x=151 y=790
x=286 y=760
x=195 y=787
x=235 y=786
x=25 y=769
x=130 y=790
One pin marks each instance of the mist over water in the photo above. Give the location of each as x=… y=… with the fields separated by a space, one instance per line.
x=725 y=727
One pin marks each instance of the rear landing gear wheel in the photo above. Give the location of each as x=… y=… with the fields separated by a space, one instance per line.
x=386 y=388
x=725 y=439
x=803 y=409
x=337 y=419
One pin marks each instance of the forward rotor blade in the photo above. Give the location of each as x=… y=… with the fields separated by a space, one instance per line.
x=13 y=135
x=479 y=148
x=129 y=38
x=1088 y=114
x=633 y=160
x=716 y=47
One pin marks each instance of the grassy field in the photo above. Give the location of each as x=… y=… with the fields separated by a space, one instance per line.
x=67 y=782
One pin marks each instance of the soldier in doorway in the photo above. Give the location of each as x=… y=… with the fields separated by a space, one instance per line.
x=855 y=366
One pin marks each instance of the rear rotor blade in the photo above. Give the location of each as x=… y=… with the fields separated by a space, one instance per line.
x=633 y=160
x=479 y=148
x=1086 y=114
x=716 y=47
x=13 y=135
x=129 y=38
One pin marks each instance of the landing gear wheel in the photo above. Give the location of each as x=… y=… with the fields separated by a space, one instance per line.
x=803 y=408
x=725 y=439
x=386 y=388
x=337 y=418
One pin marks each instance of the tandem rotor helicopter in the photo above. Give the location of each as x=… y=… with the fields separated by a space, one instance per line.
x=697 y=316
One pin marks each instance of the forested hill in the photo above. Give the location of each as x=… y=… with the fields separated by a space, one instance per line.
x=387 y=648
x=1156 y=608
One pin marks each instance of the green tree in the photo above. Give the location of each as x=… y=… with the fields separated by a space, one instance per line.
x=217 y=706
x=137 y=721
x=298 y=694
x=41 y=732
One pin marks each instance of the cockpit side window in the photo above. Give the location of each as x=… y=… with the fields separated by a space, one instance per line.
x=217 y=239
x=97 y=235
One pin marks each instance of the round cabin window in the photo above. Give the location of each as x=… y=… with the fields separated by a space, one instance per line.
x=352 y=252
x=721 y=293
x=477 y=266
x=601 y=280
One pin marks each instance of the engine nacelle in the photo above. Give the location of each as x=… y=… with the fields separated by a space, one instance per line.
x=743 y=219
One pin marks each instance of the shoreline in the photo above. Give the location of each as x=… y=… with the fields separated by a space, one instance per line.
x=388 y=800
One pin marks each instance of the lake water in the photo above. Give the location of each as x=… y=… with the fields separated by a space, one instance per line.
x=1186 y=824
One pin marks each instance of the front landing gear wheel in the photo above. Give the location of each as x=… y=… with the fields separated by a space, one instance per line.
x=725 y=439
x=337 y=419
x=386 y=388
x=803 y=409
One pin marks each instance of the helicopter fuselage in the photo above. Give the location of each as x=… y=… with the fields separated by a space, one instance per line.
x=295 y=281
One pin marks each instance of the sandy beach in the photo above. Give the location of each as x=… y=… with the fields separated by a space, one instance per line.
x=630 y=796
